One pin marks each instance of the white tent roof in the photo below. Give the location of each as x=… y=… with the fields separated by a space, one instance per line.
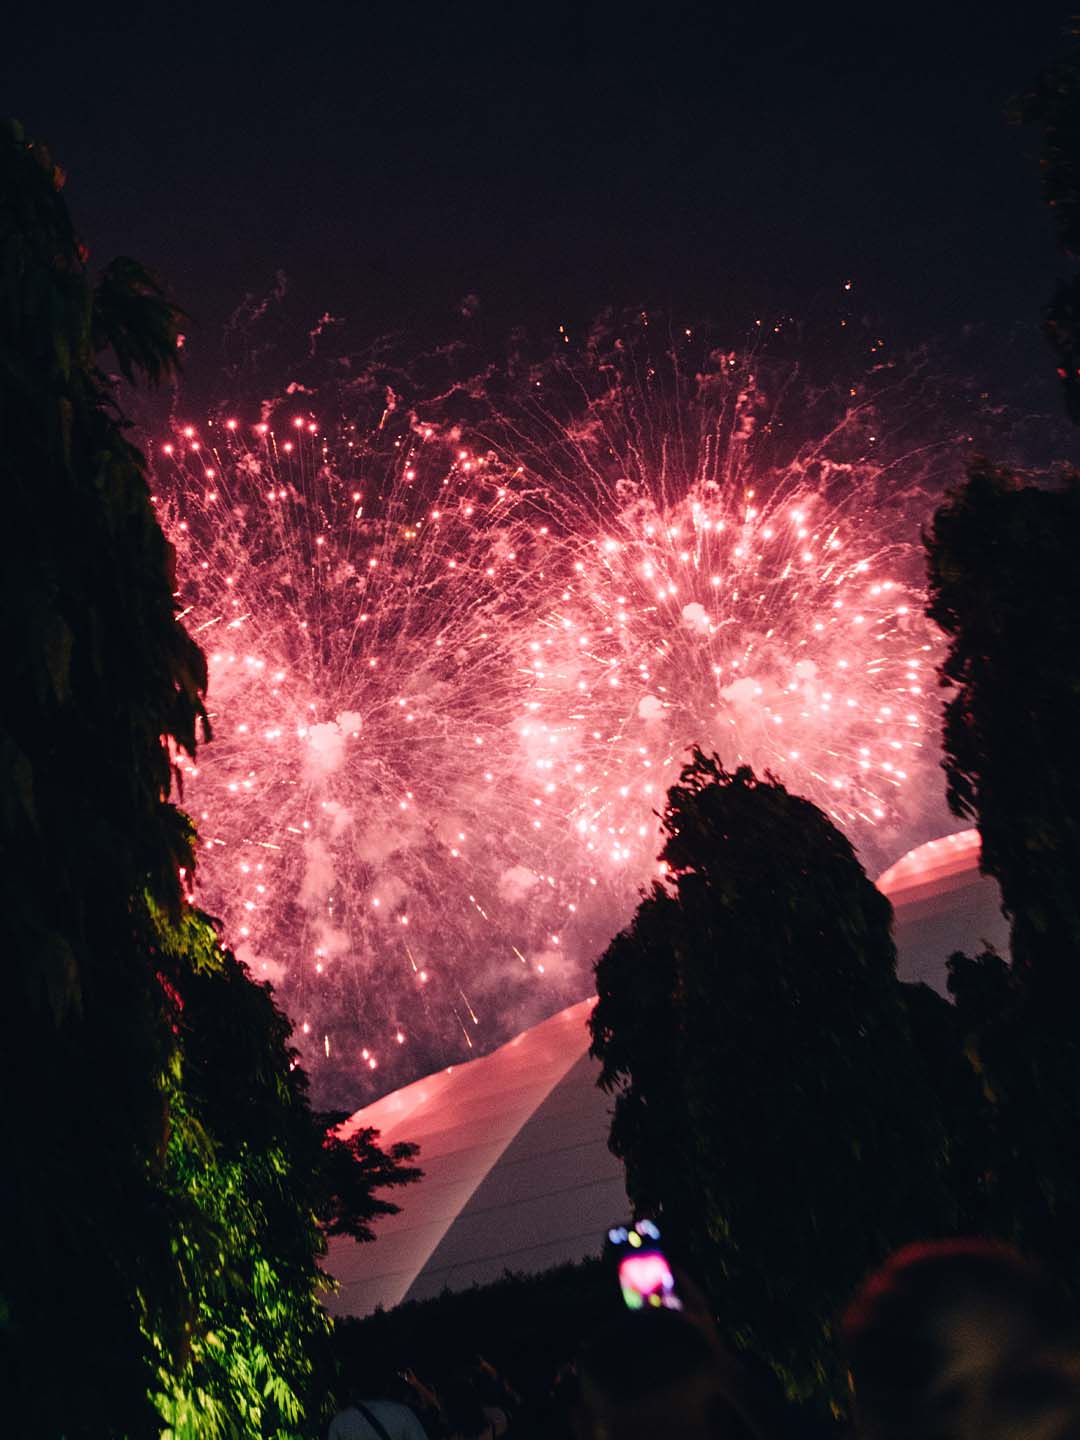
x=517 y=1173
x=942 y=904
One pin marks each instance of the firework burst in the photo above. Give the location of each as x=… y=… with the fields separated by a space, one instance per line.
x=454 y=669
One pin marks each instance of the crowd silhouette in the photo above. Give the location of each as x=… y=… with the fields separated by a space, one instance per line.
x=962 y=1339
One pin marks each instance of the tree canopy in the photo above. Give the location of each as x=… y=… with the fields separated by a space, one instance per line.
x=1005 y=587
x=163 y=1180
x=769 y=1101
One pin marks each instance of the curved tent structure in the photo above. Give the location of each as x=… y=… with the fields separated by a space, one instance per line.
x=517 y=1173
x=942 y=904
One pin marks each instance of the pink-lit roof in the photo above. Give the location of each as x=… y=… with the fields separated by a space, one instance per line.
x=936 y=860
x=516 y=1170
x=514 y=1145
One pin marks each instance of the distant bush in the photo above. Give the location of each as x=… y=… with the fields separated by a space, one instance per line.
x=525 y=1325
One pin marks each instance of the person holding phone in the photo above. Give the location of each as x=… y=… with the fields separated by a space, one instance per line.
x=661 y=1368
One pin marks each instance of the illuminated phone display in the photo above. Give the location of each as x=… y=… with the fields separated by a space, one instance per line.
x=645 y=1277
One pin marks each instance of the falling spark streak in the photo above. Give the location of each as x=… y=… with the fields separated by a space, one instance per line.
x=472 y=1013
x=451 y=679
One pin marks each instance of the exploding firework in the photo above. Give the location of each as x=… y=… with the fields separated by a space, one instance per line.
x=455 y=667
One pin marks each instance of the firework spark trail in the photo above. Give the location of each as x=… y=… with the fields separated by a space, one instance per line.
x=451 y=679
x=364 y=647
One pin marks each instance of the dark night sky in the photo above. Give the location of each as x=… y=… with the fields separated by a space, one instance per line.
x=554 y=158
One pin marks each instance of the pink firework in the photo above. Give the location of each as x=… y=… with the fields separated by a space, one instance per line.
x=454 y=672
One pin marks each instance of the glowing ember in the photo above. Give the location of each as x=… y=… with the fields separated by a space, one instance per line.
x=451 y=678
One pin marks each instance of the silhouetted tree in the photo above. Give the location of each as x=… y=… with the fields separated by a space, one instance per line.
x=1005 y=587
x=98 y=671
x=161 y=1172
x=1030 y=1076
x=769 y=1101
x=939 y=1035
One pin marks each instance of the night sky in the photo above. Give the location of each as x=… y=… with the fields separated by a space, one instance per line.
x=553 y=159
x=463 y=173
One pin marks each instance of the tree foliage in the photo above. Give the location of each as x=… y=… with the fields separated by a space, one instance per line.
x=258 y=1182
x=527 y=1326
x=769 y=1100
x=162 y=1175
x=1029 y=1072
x=98 y=671
x=1005 y=588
